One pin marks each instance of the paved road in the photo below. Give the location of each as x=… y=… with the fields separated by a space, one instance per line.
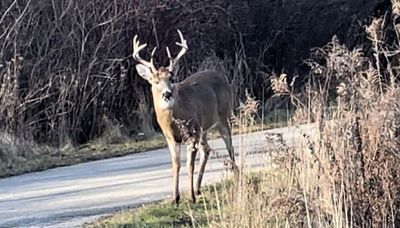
x=70 y=196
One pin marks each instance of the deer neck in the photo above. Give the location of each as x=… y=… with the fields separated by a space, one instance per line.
x=164 y=116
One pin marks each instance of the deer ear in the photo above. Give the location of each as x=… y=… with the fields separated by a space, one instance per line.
x=144 y=71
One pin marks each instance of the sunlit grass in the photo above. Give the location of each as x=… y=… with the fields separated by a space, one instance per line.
x=166 y=214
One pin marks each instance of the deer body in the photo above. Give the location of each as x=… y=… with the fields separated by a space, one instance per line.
x=199 y=103
x=202 y=99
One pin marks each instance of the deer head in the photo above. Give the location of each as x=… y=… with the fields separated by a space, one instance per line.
x=161 y=79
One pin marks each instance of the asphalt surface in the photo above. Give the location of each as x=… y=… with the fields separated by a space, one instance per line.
x=70 y=196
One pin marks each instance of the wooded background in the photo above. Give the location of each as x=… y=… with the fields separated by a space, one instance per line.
x=66 y=72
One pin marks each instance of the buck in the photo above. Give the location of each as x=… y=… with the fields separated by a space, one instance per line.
x=200 y=102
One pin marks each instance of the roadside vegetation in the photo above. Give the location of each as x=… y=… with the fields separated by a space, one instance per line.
x=19 y=156
x=345 y=175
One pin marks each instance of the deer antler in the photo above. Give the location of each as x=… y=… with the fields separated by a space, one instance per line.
x=137 y=48
x=183 y=45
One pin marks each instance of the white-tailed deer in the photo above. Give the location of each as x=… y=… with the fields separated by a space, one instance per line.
x=200 y=102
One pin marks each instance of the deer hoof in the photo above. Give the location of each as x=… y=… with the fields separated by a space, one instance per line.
x=175 y=200
x=231 y=166
x=234 y=168
x=192 y=199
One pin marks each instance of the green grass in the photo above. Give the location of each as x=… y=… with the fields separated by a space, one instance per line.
x=157 y=215
x=166 y=214
x=216 y=206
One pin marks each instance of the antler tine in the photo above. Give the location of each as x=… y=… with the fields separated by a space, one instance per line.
x=183 y=45
x=135 y=54
x=170 y=58
x=154 y=51
x=152 y=55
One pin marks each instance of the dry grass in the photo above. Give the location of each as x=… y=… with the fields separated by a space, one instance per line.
x=347 y=176
x=19 y=157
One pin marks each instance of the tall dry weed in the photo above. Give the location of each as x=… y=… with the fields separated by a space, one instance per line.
x=350 y=174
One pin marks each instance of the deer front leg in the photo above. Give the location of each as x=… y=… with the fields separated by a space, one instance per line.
x=190 y=163
x=175 y=150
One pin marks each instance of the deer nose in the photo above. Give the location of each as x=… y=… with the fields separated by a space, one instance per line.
x=167 y=95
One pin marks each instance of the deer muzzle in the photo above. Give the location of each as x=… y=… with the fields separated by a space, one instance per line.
x=167 y=94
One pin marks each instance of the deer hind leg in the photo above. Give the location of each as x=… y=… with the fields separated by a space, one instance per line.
x=204 y=154
x=190 y=162
x=175 y=150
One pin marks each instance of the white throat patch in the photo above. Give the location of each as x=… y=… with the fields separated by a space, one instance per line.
x=167 y=103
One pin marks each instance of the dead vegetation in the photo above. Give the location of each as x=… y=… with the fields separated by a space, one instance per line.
x=346 y=175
